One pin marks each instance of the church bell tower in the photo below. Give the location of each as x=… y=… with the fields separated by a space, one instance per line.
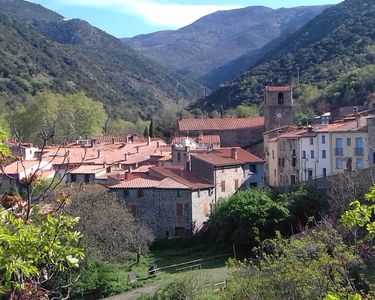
x=278 y=106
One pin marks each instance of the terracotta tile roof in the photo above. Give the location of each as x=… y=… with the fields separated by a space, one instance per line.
x=242 y=155
x=145 y=182
x=88 y=169
x=19 y=167
x=278 y=88
x=109 y=153
x=222 y=157
x=220 y=124
x=143 y=169
x=184 y=177
x=201 y=139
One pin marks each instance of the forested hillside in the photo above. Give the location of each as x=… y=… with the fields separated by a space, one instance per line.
x=335 y=55
x=40 y=50
x=200 y=50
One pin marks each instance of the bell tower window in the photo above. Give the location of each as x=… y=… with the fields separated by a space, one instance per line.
x=280 y=98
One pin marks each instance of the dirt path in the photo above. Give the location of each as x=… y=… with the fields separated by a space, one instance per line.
x=134 y=294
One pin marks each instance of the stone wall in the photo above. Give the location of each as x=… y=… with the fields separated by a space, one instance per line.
x=157 y=208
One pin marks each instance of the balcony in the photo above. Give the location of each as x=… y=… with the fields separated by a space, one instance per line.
x=358 y=151
x=339 y=151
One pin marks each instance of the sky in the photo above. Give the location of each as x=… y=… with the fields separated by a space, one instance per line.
x=127 y=18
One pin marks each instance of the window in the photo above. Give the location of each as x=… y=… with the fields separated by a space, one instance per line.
x=311 y=141
x=280 y=98
x=281 y=179
x=359 y=147
x=178 y=193
x=279 y=161
x=303 y=154
x=178 y=156
x=294 y=161
x=133 y=209
x=339 y=149
x=87 y=178
x=273 y=154
x=323 y=139
x=73 y=177
x=236 y=184
x=312 y=154
x=253 y=169
x=179 y=209
x=140 y=193
x=348 y=141
x=236 y=169
x=324 y=154
x=373 y=157
x=274 y=171
x=310 y=174
x=283 y=162
x=199 y=193
x=359 y=163
x=339 y=163
x=292 y=179
x=126 y=193
x=223 y=186
x=324 y=172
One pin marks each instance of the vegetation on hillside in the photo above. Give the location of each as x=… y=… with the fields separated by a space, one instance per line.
x=72 y=56
x=323 y=52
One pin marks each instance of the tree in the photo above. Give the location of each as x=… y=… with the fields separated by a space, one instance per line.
x=151 y=128
x=246 y=111
x=36 y=243
x=310 y=265
x=107 y=226
x=246 y=217
x=68 y=117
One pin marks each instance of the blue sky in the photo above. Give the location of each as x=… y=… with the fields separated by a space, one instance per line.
x=126 y=18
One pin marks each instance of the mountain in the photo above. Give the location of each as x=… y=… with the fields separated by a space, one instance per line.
x=217 y=39
x=42 y=50
x=334 y=53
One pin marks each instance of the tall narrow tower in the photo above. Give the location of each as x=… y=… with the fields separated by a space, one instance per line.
x=278 y=106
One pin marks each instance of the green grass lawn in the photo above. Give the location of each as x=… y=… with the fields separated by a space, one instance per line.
x=211 y=265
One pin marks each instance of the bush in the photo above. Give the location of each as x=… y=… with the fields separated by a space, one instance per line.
x=245 y=218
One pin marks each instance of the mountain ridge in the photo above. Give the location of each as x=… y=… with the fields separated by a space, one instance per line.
x=213 y=41
x=84 y=58
x=325 y=50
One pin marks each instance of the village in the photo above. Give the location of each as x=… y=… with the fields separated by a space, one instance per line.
x=172 y=187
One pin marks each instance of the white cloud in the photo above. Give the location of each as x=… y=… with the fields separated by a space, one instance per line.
x=157 y=13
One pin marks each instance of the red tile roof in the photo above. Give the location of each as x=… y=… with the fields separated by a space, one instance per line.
x=220 y=124
x=222 y=157
x=185 y=177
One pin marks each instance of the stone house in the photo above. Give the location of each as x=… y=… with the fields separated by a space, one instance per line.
x=228 y=169
x=171 y=201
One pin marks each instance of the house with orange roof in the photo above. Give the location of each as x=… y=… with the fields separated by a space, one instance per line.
x=11 y=176
x=171 y=201
x=229 y=169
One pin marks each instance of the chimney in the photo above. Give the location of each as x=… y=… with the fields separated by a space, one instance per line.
x=126 y=177
x=130 y=169
x=234 y=153
x=104 y=165
x=148 y=141
x=355 y=111
x=109 y=169
x=99 y=154
x=309 y=129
